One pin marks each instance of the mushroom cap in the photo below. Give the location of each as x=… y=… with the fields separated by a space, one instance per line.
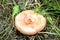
x=29 y=23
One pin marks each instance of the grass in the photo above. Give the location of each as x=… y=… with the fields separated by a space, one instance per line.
x=48 y=8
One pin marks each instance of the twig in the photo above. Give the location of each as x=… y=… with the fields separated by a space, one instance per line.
x=47 y=33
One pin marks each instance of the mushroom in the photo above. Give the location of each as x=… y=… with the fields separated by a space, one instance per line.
x=29 y=23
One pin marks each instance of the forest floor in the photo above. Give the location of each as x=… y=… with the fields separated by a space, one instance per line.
x=50 y=9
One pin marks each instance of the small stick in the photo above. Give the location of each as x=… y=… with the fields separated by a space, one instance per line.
x=47 y=33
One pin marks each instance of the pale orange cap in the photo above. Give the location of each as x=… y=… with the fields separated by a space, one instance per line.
x=28 y=22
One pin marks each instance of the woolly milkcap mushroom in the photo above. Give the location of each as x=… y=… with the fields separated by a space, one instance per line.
x=28 y=22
